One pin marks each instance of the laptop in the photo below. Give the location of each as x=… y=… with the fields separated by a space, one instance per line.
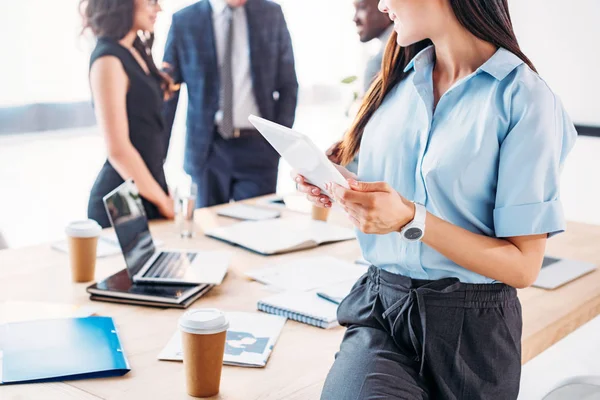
x=146 y=264
x=556 y=272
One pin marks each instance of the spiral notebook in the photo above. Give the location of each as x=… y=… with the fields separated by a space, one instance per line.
x=305 y=307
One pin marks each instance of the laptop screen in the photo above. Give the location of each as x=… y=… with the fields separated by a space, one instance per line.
x=127 y=216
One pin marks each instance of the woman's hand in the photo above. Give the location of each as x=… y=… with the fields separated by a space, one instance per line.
x=373 y=207
x=167 y=207
x=313 y=193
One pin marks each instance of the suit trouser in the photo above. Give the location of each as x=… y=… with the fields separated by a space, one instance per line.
x=420 y=339
x=237 y=169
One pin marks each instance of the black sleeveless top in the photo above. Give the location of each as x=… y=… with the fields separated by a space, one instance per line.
x=146 y=130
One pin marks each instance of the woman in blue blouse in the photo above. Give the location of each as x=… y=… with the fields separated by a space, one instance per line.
x=461 y=145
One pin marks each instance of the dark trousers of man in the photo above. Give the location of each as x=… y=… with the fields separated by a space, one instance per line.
x=418 y=339
x=237 y=169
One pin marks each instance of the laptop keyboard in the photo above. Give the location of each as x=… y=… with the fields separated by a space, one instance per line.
x=170 y=265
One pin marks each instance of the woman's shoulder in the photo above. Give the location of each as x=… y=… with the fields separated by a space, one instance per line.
x=534 y=104
x=107 y=47
x=526 y=86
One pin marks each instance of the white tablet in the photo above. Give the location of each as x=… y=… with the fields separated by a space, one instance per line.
x=300 y=152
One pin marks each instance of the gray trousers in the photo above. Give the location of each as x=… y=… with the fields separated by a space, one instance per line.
x=420 y=339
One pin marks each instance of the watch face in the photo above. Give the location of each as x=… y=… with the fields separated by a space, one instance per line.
x=413 y=233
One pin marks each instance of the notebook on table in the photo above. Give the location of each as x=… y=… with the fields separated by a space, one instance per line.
x=306 y=307
x=281 y=235
x=248 y=212
x=250 y=340
x=120 y=288
x=60 y=349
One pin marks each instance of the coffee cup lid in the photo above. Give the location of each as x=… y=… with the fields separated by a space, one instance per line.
x=84 y=229
x=203 y=321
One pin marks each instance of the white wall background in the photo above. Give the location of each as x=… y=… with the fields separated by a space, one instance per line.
x=44 y=60
x=562 y=38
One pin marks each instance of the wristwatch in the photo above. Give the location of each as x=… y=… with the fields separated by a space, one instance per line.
x=415 y=229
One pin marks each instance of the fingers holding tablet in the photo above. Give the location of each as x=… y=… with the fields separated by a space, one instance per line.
x=313 y=193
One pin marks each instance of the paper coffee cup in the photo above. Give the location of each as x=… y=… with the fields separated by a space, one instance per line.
x=83 y=242
x=320 y=213
x=203 y=334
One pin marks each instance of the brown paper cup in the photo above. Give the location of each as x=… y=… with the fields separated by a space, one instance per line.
x=82 y=237
x=320 y=213
x=82 y=252
x=203 y=335
x=203 y=361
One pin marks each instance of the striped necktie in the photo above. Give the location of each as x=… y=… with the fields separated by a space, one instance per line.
x=227 y=128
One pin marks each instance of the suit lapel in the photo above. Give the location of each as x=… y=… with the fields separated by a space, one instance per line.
x=208 y=36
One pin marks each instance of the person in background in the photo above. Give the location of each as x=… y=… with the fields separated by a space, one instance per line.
x=371 y=24
x=461 y=147
x=128 y=92
x=236 y=58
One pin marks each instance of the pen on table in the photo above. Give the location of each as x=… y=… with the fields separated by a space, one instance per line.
x=328 y=298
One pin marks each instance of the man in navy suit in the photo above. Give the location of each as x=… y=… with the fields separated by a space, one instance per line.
x=236 y=58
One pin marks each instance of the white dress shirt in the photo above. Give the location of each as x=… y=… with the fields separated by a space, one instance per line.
x=244 y=102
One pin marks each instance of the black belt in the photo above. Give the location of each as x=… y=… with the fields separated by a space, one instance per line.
x=241 y=133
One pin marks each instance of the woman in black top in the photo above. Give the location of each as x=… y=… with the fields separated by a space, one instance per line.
x=128 y=92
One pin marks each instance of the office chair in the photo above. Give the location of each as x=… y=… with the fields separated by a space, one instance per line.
x=576 y=388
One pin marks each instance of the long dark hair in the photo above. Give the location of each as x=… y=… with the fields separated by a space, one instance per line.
x=488 y=20
x=113 y=19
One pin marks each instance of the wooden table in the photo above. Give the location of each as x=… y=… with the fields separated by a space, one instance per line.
x=303 y=354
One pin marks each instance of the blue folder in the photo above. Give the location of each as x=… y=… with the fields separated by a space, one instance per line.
x=60 y=349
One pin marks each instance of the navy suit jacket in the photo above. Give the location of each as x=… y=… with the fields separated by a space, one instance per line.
x=192 y=56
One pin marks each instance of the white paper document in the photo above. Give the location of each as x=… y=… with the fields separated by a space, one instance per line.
x=308 y=273
x=281 y=235
x=250 y=340
x=248 y=212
